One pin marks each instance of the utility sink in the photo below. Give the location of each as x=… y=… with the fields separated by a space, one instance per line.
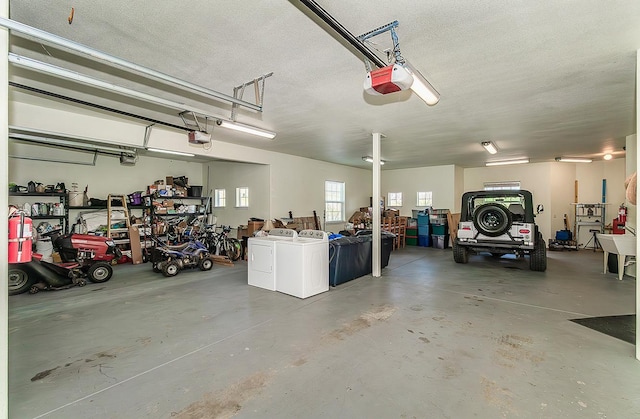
x=622 y=245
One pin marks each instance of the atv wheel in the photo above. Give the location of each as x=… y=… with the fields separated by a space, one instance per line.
x=205 y=264
x=538 y=256
x=492 y=219
x=460 y=253
x=157 y=267
x=99 y=272
x=19 y=281
x=233 y=249
x=170 y=268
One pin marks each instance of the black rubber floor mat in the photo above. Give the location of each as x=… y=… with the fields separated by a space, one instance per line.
x=621 y=327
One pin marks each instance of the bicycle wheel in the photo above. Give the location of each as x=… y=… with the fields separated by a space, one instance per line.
x=233 y=248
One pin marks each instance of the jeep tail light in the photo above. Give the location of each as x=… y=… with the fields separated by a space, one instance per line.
x=524 y=231
x=466 y=228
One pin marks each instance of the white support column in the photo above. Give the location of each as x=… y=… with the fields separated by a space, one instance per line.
x=637 y=236
x=377 y=243
x=4 y=212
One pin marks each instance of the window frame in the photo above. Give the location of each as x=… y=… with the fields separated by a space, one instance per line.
x=239 y=198
x=341 y=201
x=219 y=201
x=428 y=200
x=392 y=202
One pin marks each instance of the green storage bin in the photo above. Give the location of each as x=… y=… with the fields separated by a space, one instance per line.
x=439 y=229
x=412 y=232
x=412 y=241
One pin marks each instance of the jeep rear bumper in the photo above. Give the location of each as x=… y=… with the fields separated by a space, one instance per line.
x=499 y=245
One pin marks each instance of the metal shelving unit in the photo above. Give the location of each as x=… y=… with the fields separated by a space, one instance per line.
x=62 y=198
x=591 y=216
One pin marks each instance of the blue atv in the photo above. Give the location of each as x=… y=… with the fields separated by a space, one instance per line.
x=170 y=260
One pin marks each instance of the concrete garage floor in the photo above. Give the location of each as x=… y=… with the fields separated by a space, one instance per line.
x=430 y=338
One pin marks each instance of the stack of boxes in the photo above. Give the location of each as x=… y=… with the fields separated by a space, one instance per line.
x=424 y=239
x=412 y=232
x=439 y=228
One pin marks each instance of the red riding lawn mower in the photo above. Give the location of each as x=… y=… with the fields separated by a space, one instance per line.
x=83 y=256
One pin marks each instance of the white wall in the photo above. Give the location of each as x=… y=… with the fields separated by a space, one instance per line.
x=231 y=175
x=440 y=180
x=562 y=186
x=4 y=296
x=631 y=146
x=288 y=184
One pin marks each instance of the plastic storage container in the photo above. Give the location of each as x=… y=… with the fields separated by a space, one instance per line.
x=440 y=241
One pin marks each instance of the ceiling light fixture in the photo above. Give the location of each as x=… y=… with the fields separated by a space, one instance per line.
x=421 y=86
x=607 y=156
x=573 y=160
x=369 y=159
x=505 y=162
x=246 y=128
x=490 y=147
x=177 y=153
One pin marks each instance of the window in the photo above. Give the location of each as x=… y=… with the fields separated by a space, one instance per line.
x=513 y=185
x=394 y=199
x=425 y=199
x=334 y=201
x=220 y=198
x=242 y=197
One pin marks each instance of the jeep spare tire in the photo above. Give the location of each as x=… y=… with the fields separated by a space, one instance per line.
x=492 y=219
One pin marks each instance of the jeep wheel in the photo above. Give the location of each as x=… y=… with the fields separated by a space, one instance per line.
x=538 y=256
x=460 y=253
x=492 y=219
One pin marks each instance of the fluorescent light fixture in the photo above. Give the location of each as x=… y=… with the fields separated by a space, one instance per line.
x=177 y=153
x=369 y=159
x=504 y=162
x=573 y=160
x=489 y=146
x=246 y=128
x=607 y=156
x=422 y=87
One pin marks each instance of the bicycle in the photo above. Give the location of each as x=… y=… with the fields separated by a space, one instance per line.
x=219 y=243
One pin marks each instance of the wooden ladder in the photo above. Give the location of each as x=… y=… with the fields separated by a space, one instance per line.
x=122 y=207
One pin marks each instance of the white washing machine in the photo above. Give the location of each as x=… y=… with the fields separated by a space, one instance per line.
x=261 y=257
x=303 y=264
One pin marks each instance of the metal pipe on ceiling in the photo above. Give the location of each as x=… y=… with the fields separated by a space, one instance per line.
x=94 y=105
x=18 y=27
x=100 y=84
x=343 y=32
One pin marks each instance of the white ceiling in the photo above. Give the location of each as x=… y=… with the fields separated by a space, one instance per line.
x=539 y=78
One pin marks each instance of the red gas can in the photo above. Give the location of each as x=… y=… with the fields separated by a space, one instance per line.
x=20 y=238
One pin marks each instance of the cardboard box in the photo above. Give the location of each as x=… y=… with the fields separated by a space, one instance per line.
x=169 y=181
x=357 y=217
x=136 y=248
x=253 y=226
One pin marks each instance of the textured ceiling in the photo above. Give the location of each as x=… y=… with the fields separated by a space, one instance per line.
x=540 y=79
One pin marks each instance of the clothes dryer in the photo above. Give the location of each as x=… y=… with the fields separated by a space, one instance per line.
x=261 y=257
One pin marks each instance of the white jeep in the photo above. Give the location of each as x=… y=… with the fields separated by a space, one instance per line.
x=499 y=222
